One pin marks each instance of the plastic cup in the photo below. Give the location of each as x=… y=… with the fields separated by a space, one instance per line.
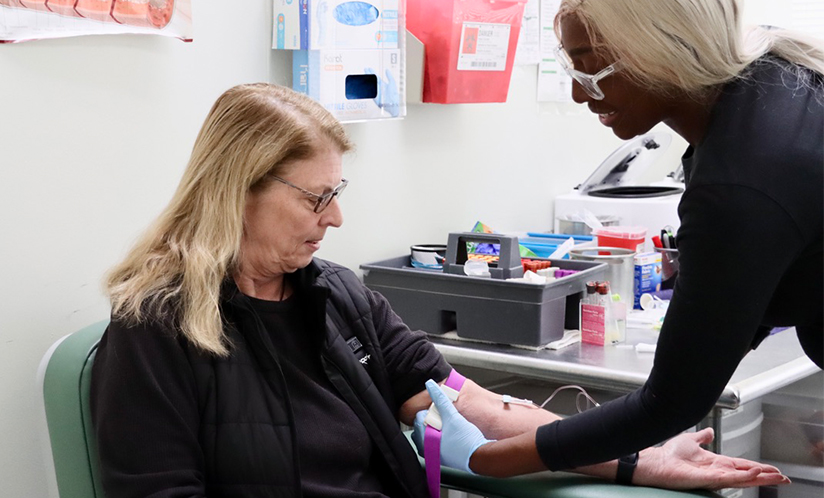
x=669 y=263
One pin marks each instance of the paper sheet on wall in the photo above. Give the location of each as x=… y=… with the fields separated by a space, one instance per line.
x=554 y=85
x=529 y=39
x=547 y=21
x=23 y=20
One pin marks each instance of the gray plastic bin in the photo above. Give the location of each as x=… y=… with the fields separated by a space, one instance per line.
x=486 y=309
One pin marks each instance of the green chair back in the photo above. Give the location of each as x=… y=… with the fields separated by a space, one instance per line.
x=66 y=385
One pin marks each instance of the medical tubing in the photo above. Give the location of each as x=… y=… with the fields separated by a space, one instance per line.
x=507 y=399
x=582 y=392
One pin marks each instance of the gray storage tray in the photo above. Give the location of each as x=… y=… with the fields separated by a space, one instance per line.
x=482 y=308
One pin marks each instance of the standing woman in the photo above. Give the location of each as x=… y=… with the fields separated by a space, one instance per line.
x=751 y=106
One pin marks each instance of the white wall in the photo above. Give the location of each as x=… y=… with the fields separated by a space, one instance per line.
x=95 y=133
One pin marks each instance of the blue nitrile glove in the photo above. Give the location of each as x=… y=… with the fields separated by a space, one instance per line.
x=388 y=97
x=459 y=438
x=418 y=430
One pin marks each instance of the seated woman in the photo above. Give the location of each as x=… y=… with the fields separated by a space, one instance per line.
x=237 y=364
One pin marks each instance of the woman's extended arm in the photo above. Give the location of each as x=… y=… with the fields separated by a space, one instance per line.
x=679 y=464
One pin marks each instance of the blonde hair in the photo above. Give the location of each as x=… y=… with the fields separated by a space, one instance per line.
x=686 y=46
x=180 y=263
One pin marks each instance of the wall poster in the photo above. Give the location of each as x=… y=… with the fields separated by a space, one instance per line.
x=23 y=20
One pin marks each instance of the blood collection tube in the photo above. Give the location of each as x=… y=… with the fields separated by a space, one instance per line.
x=160 y=12
x=12 y=3
x=35 y=4
x=131 y=12
x=99 y=10
x=602 y=289
x=62 y=7
x=590 y=298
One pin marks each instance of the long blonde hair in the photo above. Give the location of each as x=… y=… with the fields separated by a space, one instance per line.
x=685 y=46
x=180 y=263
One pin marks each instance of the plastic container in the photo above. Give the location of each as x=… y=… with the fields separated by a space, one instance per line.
x=566 y=224
x=621 y=263
x=559 y=238
x=470 y=47
x=632 y=238
x=428 y=255
x=669 y=263
x=544 y=244
x=741 y=438
x=794 y=424
x=486 y=309
x=603 y=319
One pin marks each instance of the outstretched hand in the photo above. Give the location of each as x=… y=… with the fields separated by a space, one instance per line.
x=681 y=463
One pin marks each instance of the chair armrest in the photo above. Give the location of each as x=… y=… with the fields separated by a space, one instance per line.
x=551 y=485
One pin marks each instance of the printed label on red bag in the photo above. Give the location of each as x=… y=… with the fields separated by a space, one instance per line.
x=593 y=318
x=483 y=46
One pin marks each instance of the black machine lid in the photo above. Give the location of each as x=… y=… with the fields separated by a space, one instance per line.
x=616 y=175
x=636 y=191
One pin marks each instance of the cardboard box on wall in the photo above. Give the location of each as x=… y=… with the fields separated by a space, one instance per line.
x=344 y=24
x=335 y=24
x=290 y=30
x=354 y=85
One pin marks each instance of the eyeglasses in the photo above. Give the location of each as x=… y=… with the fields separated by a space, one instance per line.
x=321 y=201
x=589 y=82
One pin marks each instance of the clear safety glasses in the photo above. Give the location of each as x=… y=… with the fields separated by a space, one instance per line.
x=321 y=201
x=589 y=82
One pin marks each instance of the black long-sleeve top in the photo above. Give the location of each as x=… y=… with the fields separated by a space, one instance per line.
x=750 y=254
x=153 y=397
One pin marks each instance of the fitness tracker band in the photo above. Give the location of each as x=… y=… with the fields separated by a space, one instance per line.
x=626 y=467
